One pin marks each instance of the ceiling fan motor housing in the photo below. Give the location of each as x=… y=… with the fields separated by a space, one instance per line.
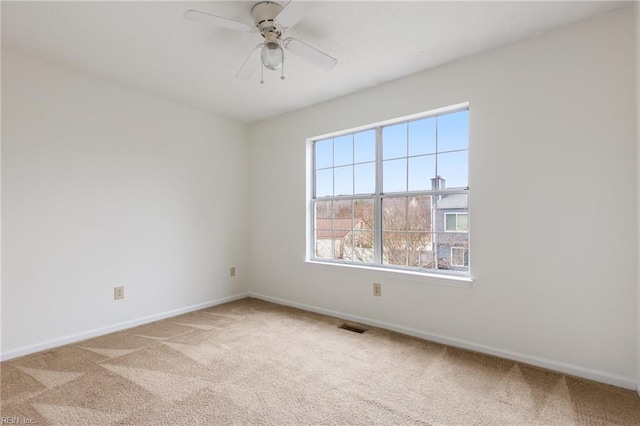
x=264 y=15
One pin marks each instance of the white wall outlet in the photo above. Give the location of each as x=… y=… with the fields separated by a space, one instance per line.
x=377 y=289
x=118 y=293
x=232 y=271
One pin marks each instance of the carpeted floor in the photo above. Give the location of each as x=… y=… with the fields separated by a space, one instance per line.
x=253 y=362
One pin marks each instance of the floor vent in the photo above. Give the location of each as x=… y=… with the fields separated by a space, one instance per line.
x=353 y=328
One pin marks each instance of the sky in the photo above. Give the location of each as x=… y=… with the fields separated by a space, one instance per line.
x=413 y=153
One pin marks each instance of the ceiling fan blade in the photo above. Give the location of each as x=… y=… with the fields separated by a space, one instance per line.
x=251 y=64
x=309 y=53
x=293 y=12
x=217 y=20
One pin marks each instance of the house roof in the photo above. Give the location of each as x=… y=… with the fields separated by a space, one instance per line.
x=453 y=201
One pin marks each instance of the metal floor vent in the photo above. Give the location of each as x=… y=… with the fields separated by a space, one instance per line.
x=353 y=328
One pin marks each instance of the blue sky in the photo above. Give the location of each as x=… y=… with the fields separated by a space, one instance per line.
x=412 y=154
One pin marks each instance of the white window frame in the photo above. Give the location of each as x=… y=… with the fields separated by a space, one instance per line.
x=377 y=196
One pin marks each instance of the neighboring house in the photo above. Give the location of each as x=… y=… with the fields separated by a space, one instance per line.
x=452 y=231
x=334 y=237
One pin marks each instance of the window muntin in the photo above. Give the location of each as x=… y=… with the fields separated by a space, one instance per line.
x=394 y=195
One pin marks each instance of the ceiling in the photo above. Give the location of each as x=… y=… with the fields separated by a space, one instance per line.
x=150 y=46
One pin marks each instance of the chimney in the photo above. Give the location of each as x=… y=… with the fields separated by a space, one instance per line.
x=437 y=183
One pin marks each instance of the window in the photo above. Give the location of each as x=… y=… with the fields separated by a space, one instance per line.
x=394 y=195
x=459 y=256
x=456 y=222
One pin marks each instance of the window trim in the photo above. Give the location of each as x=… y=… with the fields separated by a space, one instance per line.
x=446 y=276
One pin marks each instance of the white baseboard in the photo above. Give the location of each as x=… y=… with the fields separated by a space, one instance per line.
x=562 y=367
x=26 y=350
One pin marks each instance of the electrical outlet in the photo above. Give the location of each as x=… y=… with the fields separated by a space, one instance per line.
x=118 y=293
x=232 y=271
x=377 y=289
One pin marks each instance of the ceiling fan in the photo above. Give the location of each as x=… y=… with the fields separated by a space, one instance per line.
x=271 y=20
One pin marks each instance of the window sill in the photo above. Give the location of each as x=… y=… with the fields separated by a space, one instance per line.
x=408 y=275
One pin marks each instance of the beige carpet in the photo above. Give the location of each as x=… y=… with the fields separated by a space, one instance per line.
x=253 y=362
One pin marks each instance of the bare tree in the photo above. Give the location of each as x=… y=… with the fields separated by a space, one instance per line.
x=407 y=231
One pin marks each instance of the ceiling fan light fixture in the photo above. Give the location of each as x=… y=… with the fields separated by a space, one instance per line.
x=272 y=55
x=271 y=20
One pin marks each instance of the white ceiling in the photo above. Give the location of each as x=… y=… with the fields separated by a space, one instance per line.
x=151 y=47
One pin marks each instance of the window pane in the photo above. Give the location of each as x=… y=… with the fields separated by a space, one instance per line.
x=422 y=258
x=361 y=249
x=324 y=183
x=363 y=214
x=451 y=222
x=394 y=175
x=346 y=247
x=453 y=131
x=418 y=246
x=422 y=136
x=365 y=178
x=339 y=245
x=323 y=211
x=343 y=214
x=323 y=233
x=453 y=168
x=365 y=146
x=394 y=214
x=419 y=214
x=343 y=180
x=324 y=153
x=445 y=241
x=324 y=247
x=394 y=141
x=343 y=150
x=463 y=222
x=421 y=170
x=394 y=248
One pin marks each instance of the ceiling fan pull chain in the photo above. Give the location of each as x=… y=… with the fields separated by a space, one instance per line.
x=282 y=69
x=261 y=74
